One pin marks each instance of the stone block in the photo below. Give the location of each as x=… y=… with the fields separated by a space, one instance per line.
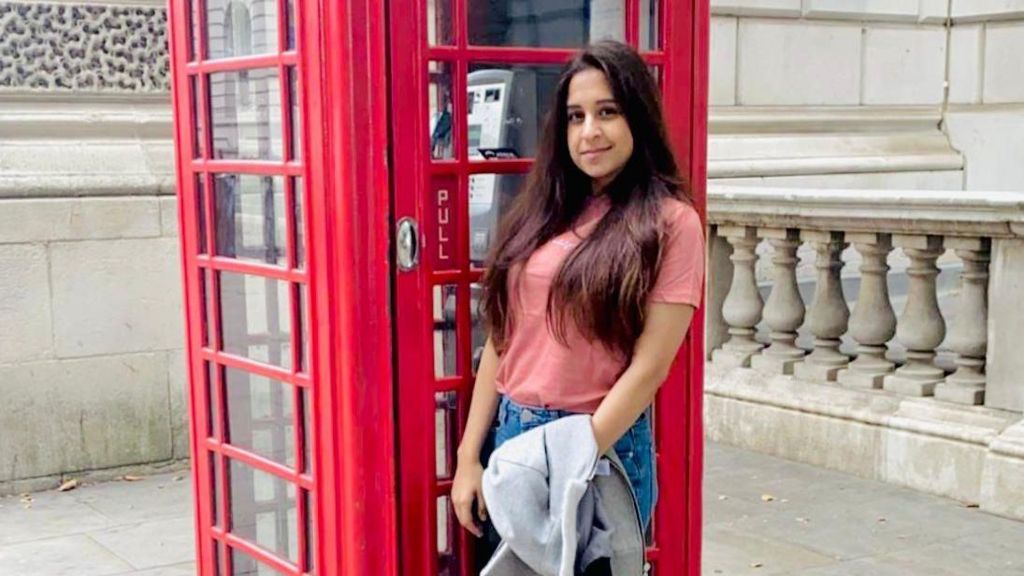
x=169 y=216
x=890 y=10
x=55 y=219
x=116 y=296
x=756 y=7
x=965 y=64
x=1005 y=363
x=798 y=63
x=1004 y=44
x=904 y=65
x=1002 y=484
x=769 y=364
x=810 y=372
x=854 y=379
x=177 y=383
x=933 y=464
x=933 y=11
x=909 y=386
x=64 y=416
x=25 y=315
x=796 y=434
x=992 y=139
x=987 y=10
x=723 y=61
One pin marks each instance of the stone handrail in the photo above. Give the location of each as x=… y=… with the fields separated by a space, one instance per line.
x=980 y=228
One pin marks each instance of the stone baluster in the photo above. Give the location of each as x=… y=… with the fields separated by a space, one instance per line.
x=968 y=336
x=920 y=328
x=784 y=310
x=829 y=314
x=742 y=306
x=873 y=322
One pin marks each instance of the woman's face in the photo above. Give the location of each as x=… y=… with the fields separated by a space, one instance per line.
x=600 y=142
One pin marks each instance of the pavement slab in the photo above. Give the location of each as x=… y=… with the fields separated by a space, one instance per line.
x=763 y=516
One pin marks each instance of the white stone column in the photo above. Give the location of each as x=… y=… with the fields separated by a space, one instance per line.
x=784 y=310
x=920 y=328
x=968 y=336
x=873 y=322
x=719 y=279
x=828 y=314
x=742 y=307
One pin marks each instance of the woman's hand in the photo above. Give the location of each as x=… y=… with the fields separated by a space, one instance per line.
x=467 y=490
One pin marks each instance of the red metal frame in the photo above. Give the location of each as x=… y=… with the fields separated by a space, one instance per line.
x=362 y=85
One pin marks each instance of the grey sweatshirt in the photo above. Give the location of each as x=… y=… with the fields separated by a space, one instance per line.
x=557 y=506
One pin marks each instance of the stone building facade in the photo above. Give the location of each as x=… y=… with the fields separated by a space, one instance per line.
x=894 y=94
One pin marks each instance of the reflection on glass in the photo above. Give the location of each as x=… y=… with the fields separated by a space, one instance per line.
x=445 y=333
x=445 y=432
x=204 y=308
x=296 y=122
x=299 y=223
x=506 y=106
x=213 y=413
x=198 y=138
x=307 y=428
x=255 y=318
x=261 y=415
x=193 y=30
x=246 y=115
x=303 y=321
x=439 y=22
x=439 y=96
x=650 y=25
x=215 y=498
x=478 y=326
x=310 y=534
x=244 y=565
x=489 y=197
x=263 y=510
x=217 y=552
x=241 y=27
x=291 y=24
x=250 y=217
x=447 y=532
x=552 y=24
x=201 y=212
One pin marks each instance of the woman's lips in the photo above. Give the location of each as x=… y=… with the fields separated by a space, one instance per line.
x=592 y=153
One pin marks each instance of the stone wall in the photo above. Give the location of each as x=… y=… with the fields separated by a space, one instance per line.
x=92 y=373
x=819 y=61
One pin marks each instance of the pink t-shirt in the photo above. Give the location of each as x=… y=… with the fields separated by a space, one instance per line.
x=535 y=369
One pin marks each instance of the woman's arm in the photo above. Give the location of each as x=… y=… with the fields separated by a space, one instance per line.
x=482 y=407
x=467 y=486
x=664 y=329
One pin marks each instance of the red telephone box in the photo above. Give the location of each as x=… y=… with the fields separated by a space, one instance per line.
x=341 y=165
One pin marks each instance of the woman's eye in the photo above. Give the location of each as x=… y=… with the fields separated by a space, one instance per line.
x=575 y=116
x=609 y=112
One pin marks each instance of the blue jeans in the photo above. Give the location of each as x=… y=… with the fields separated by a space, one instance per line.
x=635 y=448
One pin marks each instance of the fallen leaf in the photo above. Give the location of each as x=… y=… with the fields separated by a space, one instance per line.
x=882 y=519
x=178 y=478
x=69 y=485
x=803 y=520
x=130 y=478
x=970 y=505
x=756 y=564
x=723 y=497
x=767 y=498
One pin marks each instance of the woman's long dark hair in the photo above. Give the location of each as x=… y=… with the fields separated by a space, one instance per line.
x=603 y=284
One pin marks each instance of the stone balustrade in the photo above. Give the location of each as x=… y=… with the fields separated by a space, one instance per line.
x=972 y=231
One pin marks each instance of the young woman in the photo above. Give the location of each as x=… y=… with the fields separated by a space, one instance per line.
x=593 y=280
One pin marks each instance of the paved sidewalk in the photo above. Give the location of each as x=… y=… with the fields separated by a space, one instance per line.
x=764 y=516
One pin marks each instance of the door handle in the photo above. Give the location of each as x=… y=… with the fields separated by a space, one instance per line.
x=408 y=237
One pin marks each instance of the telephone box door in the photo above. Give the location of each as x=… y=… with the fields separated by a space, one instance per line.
x=470 y=81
